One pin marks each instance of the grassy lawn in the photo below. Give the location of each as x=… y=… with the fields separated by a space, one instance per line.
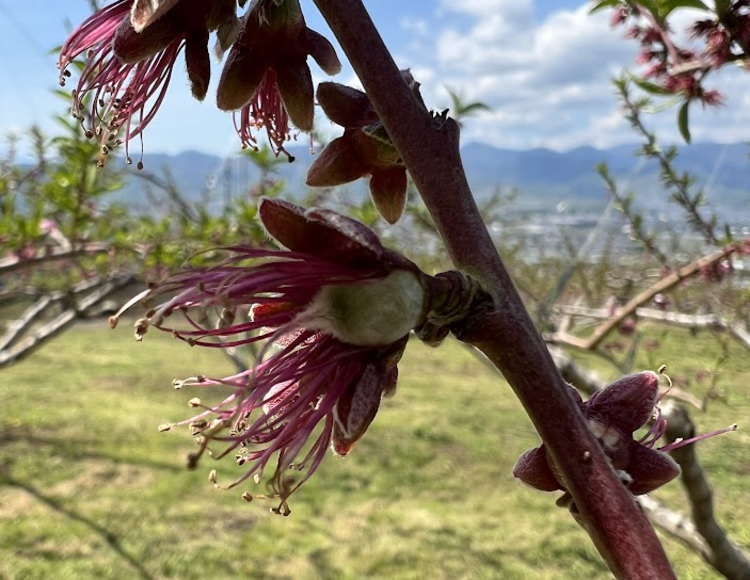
x=90 y=489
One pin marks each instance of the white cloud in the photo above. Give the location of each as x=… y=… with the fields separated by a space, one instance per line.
x=418 y=26
x=512 y=10
x=578 y=47
x=548 y=80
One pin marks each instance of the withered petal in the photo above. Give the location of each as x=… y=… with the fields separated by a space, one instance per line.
x=338 y=163
x=345 y=106
x=226 y=35
x=650 y=469
x=328 y=235
x=388 y=192
x=198 y=62
x=221 y=14
x=357 y=407
x=145 y=12
x=295 y=86
x=322 y=52
x=533 y=469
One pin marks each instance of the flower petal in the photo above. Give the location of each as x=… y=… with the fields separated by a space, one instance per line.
x=337 y=164
x=533 y=469
x=295 y=86
x=650 y=469
x=388 y=192
x=627 y=403
x=322 y=51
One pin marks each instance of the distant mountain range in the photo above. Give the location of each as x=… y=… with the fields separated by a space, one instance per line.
x=541 y=176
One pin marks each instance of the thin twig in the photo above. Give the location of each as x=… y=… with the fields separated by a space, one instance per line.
x=679 y=319
x=66 y=318
x=722 y=553
x=663 y=285
x=12 y=264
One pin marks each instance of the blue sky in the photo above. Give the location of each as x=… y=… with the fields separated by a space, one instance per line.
x=543 y=67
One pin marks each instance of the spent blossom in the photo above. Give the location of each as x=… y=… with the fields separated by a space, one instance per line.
x=130 y=49
x=678 y=69
x=331 y=316
x=613 y=415
x=266 y=77
x=364 y=150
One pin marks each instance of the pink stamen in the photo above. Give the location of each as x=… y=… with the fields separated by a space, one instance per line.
x=682 y=442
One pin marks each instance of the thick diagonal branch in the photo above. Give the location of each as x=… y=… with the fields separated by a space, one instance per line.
x=504 y=331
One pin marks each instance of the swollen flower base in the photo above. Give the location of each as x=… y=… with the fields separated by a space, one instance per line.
x=332 y=316
x=613 y=415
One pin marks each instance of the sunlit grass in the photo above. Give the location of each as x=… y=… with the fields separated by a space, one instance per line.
x=91 y=489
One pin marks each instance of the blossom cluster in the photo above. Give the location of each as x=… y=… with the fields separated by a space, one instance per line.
x=131 y=46
x=678 y=67
x=129 y=51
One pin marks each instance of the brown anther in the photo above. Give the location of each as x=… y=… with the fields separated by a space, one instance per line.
x=192 y=460
x=282 y=510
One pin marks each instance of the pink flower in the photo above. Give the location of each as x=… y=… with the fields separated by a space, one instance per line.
x=131 y=47
x=266 y=76
x=333 y=314
x=613 y=415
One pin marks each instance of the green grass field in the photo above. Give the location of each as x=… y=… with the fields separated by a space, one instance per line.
x=90 y=489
